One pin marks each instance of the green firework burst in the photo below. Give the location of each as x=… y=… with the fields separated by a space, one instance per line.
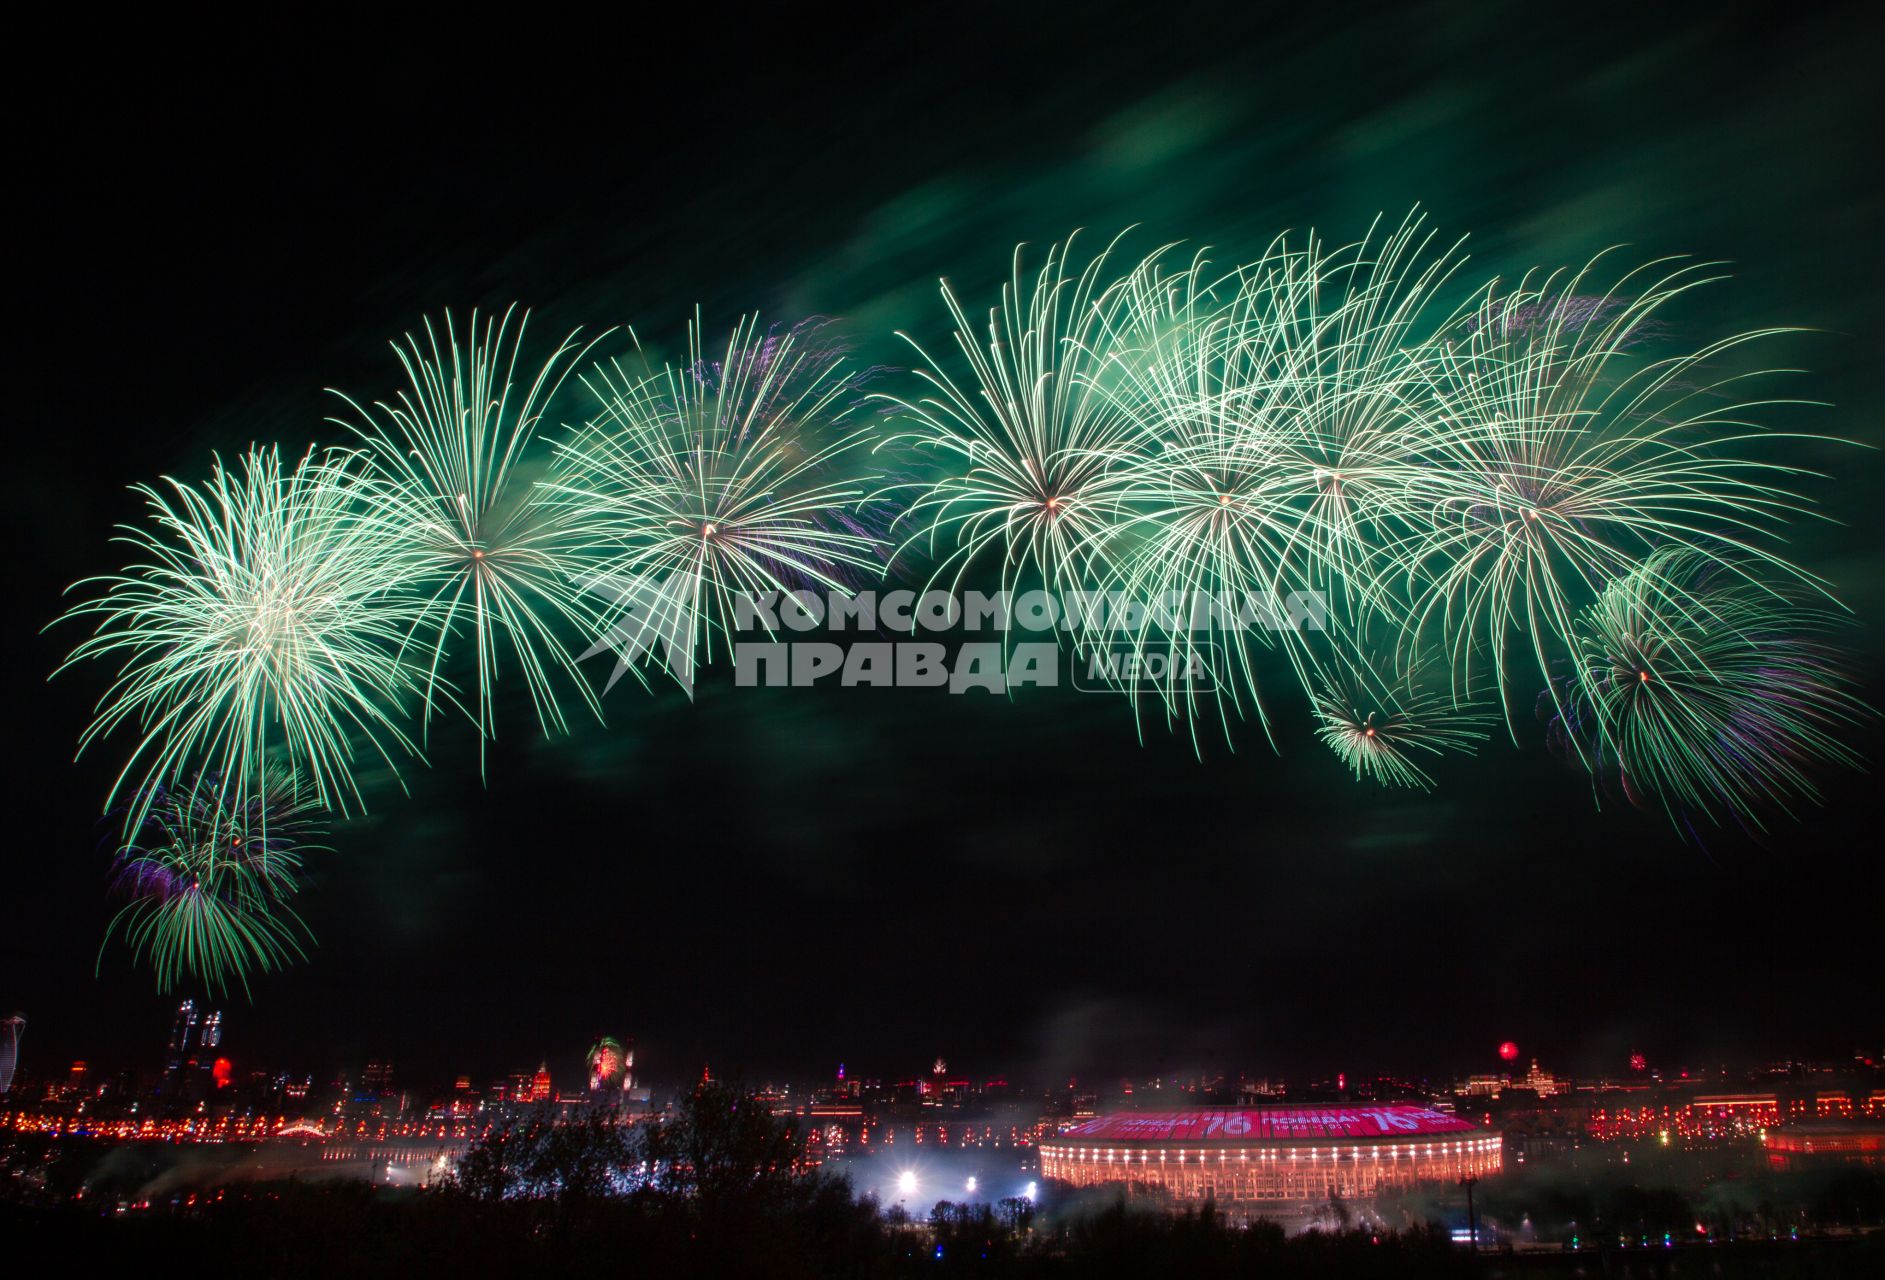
x=1713 y=697
x=449 y=486
x=209 y=883
x=715 y=481
x=260 y=630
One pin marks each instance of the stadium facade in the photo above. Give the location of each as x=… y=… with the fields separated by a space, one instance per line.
x=1274 y=1158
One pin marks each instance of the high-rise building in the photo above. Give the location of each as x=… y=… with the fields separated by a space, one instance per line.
x=212 y=1030
x=10 y=1032
x=182 y=1032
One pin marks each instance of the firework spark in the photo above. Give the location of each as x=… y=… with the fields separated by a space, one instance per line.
x=1312 y=462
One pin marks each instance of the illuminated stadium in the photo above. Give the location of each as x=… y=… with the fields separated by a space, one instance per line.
x=1275 y=1157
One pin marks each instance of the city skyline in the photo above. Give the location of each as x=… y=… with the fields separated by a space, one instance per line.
x=195 y=1042
x=1260 y=1149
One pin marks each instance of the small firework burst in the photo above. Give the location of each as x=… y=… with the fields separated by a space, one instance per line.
x=1376 y=730
x=1711 y=696
x=208 y=880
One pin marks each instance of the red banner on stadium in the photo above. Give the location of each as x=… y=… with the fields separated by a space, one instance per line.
x=1270 y=1123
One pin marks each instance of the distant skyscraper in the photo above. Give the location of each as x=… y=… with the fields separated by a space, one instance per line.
x=10 y=1032
x=178 y=1051
x=212 y=1030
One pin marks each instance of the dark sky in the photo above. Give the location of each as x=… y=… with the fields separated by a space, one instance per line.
x=775 y=881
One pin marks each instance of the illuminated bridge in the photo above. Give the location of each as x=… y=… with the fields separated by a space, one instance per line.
x=1278 y=1157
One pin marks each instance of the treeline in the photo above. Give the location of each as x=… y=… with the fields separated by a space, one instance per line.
x=353 y=1230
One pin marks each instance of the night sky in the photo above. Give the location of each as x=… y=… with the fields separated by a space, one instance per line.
x=777 y=880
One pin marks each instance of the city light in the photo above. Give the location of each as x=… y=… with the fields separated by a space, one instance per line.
x=906 y=1182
